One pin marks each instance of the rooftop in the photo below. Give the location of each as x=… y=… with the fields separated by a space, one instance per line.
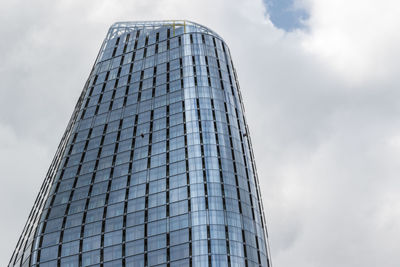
x=178 y=26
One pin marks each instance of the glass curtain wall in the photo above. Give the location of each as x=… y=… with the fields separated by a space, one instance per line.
x=156 y=166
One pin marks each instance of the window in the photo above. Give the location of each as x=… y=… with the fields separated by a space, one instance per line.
x=91 y=257
x=133 y=233
x=179 y=237
x=72 y=234
x=157 y=257
x=70 y=248
x=157 y=227
x=135 y=247
x=135 y=218
x=115 y=210
x=179 y=252
x=112 y=238
x=53 y=225
x=156 y=242
x=112 y=253
x=49 y=253
x=91 y=243
x=72 y=261
x=92 y=229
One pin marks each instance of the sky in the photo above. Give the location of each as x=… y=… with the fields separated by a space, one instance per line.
x=287 y=15
x=319 y=79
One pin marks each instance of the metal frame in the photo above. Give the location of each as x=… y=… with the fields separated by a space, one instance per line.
x=120 y=28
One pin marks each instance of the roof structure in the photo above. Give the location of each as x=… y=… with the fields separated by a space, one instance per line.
x=178 y=26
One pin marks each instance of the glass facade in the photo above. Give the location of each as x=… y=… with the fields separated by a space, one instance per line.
x=155 y=167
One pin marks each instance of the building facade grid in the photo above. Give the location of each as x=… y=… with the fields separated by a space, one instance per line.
x=156 y=166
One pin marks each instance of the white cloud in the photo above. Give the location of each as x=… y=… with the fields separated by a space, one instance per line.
x=359 y=39
x=323 y=109
x=22 y=165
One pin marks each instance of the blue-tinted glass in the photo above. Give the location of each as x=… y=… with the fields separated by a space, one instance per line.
x=156 y=161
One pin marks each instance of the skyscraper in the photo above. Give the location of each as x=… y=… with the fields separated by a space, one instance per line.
x=155 y=167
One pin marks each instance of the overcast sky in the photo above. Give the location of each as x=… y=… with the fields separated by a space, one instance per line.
x=321 y=89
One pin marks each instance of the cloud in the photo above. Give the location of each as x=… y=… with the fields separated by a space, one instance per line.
x=359 y=39
x=23 y=162
x=322 y=106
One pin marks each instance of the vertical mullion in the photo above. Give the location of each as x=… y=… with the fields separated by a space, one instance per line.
x=70 y=199
x=236 y=180
x=88 y=200
x=167 y=179
x=112 y=167
x=127 y=189
x=257 y=193
x=221 y=179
